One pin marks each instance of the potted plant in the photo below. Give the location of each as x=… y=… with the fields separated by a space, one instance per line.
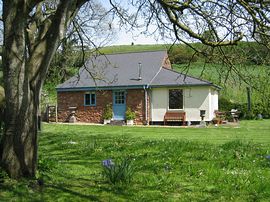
x=107 y=114
x=130 y=116
x=215 y=121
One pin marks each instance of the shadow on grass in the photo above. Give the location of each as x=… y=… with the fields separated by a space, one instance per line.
x=42 y=193
x=71 y=167
x=74 y=193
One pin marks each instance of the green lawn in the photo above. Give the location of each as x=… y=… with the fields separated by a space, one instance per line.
x=169 y=164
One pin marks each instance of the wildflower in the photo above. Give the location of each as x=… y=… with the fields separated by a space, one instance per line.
x=108 y=163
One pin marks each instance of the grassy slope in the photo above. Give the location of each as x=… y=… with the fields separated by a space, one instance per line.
x=134 y=48
x=172 y=164
x=232 y=90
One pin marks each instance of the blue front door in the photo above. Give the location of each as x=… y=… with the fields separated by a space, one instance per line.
x=119 y=105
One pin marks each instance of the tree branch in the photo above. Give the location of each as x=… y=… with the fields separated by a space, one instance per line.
x=172 y=13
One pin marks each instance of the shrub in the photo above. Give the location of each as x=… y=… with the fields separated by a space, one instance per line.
x=3 y=176
x=130 y=115
x=256 y=108
x=117 y=172
x=182 y=55
x=225 y=104
x=108 y=113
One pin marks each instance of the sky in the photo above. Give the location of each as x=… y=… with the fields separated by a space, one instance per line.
x=124 y=37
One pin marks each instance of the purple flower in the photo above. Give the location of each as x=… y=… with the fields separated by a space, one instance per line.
x=268 y=157
x=108 y=163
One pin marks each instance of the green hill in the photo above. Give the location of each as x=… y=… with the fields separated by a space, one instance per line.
x=133 y=48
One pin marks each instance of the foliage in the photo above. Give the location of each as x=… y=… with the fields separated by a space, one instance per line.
x=182 y=55
x=64 y=65
x=108 y=112
x=119 y=171
x=171 y=164
x=256 y=108
x=130 y=115
x=3 y=176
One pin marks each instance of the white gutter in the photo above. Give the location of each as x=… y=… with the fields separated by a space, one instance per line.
x=146 y=105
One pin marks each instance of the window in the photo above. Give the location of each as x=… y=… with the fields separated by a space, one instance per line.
x=176 y=99
x=90 y=99
x=119 y=97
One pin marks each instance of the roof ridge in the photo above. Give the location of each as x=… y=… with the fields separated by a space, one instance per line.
x=155 y=76
x=144 y=51
x=186 y=75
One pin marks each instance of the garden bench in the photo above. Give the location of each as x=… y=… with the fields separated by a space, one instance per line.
x=175 y=116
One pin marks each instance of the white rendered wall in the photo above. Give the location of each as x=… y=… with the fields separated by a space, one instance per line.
x=195 y=99
x=214 y=102
x=159 y=103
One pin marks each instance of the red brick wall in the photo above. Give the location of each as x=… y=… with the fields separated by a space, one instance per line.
x=93 y=114
x=166 y=62
x=135 y=100
x=90 y=114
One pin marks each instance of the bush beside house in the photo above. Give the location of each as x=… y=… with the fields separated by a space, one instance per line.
x=107 y=114
x=257 y=108
x=130 y=116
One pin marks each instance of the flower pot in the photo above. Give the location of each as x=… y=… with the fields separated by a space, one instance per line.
x=130 y=122
x=106 y=121
x=215 y=121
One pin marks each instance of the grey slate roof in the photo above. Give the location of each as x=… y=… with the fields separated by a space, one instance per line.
x=169 y=77
x=121 y=70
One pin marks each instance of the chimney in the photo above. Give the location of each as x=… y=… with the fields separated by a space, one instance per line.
x=140 y=71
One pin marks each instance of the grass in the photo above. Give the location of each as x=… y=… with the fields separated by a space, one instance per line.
x=170 y=164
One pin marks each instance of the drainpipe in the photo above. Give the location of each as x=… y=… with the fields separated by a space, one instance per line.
x=146 y=105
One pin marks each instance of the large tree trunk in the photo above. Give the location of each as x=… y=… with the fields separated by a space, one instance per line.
x=19 y=152
x=30 y=41
x=19 y=142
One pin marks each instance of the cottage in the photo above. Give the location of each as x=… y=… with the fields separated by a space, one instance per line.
x=141 y=81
